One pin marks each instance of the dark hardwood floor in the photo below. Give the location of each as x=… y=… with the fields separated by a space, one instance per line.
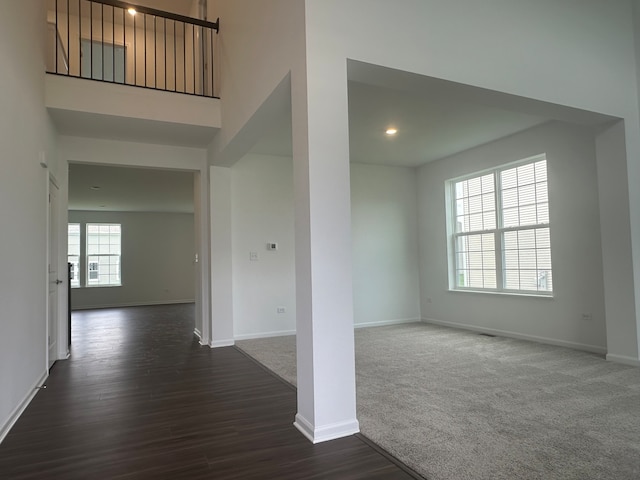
x=140 y=398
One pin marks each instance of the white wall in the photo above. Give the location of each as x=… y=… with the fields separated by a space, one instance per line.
x=262 y=211
x=157 y=260
x=545 y=50
x=385 y=245
x=384 y=220
x=25 y=131
x=258 y=45
x=575 y=242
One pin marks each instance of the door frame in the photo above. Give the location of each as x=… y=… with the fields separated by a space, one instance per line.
x=116 y=153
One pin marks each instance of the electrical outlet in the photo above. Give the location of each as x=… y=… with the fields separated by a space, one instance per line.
x=587 y=316
x=253 y=256
x=281 y=310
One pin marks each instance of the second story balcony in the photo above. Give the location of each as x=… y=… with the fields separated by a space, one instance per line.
x=101 y=54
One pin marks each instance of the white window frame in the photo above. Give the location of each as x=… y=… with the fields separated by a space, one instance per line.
x=89 y=263
x=76 y=269
x=498 y=232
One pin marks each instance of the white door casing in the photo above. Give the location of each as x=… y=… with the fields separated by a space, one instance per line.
x=53 y=279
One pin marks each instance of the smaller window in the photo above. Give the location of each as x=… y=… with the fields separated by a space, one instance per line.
x=103 y=254
x=73 y=254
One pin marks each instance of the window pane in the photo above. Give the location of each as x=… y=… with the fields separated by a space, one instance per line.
x=475 y=261
x=526 y=174
x=512 y=280
x=475 y=207
x=103 y=254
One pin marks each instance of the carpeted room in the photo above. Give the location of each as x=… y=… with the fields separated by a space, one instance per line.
x=401 y=275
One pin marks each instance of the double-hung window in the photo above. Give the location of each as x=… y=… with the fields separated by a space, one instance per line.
x=74 y=254
x=103 y=254
x=499 y=230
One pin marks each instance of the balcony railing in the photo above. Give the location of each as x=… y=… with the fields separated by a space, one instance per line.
x=109 y=41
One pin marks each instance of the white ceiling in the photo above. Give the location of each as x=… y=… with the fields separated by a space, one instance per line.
x=129 y=189
x=430 y=126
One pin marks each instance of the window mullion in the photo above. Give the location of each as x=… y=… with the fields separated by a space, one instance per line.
x=498 y=234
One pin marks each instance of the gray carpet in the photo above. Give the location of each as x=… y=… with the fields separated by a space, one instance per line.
x=456 y=405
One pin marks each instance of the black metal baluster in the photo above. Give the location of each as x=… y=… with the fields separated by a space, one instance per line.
x=145 y=49
x=184 y=57
x=90 y=36
x=193 y=54
x=135 y=52
x=202 y=59
x=165 y=52
x=175 y=59
x=79 y=39
x=55 y=36
x=155 y=52
x=124 y=46
x=102 y=34
x=211 y=62
x=113 y=41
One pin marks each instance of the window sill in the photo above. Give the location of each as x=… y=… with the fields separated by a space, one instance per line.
x=504 y=294
x=95 y=286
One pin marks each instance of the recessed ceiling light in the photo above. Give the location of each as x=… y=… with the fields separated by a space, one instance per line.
x=391 y=131
x=132 y=11
x=102 y=206
x=95 y=187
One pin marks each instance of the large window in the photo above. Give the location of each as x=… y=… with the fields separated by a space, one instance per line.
x=74 y=253
x=500 y=236
x=103 y=254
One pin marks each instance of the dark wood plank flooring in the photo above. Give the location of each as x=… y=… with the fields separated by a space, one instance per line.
x=140 y=398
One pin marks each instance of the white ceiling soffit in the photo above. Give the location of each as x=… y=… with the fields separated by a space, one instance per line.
x=123 y=189
x=112 y=127
x=430 y=126
x=435 y=118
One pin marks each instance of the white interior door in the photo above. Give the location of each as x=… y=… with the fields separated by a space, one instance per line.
x=54 y=281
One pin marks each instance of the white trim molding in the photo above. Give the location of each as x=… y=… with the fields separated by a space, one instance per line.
x=221 y=343
x=382 y=323
x=131 y=304
x=22 y=406
x=326 y=432
x=520 y=336
x=634 y=362
x=252 y=336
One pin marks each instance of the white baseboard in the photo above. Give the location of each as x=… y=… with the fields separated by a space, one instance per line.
x=132 y=304
x=387 y=322
x=251 y=336
x=327 y=432
x=222 y=343
x=520 y=336
x=15 y=415
x=634 y=362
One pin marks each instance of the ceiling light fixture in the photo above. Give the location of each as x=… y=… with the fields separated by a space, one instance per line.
x=391 y=131
x=132 y=11
x=95 y=187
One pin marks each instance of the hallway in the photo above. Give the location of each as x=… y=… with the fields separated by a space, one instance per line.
x=140 y=398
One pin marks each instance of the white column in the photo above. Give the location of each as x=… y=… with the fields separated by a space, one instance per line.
x=221 y=266
x=324 y=298
x=615 y=228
